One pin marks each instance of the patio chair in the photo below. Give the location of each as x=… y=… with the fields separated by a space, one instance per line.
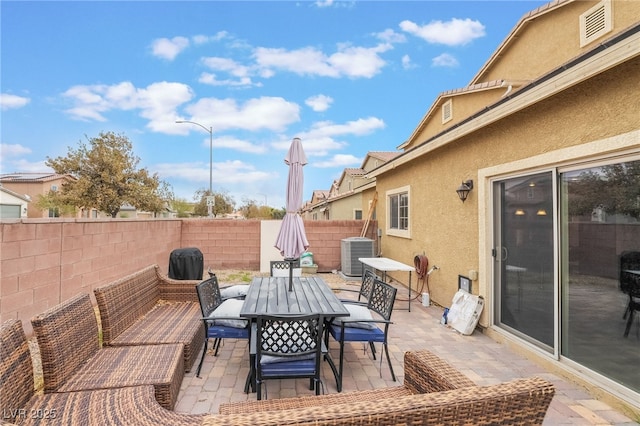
x=221 y=318
x=280 y=268
x=288 y=347
x=630 y=284
x=362 y=326
x=364 y=291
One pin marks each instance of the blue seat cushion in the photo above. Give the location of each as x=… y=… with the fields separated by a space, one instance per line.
x=355 y=334
x=225 y=332
x=289 y=368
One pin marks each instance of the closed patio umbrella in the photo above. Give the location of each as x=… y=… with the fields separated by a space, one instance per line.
x=292 y=240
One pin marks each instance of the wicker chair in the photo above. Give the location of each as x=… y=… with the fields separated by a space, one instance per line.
x=72 y=359
x=21 y=405
x=147 y=308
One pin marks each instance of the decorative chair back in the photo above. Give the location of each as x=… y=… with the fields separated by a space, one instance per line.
x=367 y=284
x=280 y=268
x=209 y=295
x=288 y=347
x=382 y=298
x=287 y=336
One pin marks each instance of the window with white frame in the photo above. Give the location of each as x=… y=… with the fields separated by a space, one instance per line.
x=398 y=212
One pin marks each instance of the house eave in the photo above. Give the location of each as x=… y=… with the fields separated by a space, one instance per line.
x=619 y=49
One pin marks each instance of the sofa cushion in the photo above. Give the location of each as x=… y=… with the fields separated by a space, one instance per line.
x=239 y=290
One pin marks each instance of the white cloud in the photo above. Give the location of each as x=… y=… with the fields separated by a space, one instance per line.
x=445 y=60
x=324 y=3
x=8 y=101
x=455 y=32
x=390 y=36
x=212 y=80
x=406 y=62
x=230 y=142
x=319 y=103
x=359 y=127
x=241 y=73
x=348 y=61
x=157 y=102
x=169 y=48
x=339 y=160
x=202 y=39
x=224 y=173
x=13 y=150
x=270 y=113
x=320 y=139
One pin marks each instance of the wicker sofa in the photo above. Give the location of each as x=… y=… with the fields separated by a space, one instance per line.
x=148 y=308
x=433 y=393
x=72 y=359
x=21 y=404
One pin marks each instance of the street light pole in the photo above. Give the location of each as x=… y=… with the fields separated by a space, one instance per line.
x=210 y=130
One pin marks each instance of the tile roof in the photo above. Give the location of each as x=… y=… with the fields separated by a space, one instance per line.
x=30 y=177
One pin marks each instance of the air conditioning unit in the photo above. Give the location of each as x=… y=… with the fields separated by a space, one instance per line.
x=351 y=249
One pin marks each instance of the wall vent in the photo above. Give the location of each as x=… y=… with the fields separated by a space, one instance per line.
x=447 y=111
x=595 y=22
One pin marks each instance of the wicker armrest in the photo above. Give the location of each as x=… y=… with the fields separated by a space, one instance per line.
x=522 y=401
x=131 y=406
x=176 y=290
x=425 y=372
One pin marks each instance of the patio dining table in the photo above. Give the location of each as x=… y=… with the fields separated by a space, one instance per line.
x=309 y=295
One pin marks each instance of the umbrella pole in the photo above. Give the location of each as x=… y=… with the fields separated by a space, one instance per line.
x=290 y=261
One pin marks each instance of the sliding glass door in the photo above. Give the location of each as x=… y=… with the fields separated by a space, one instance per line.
x=524 y=257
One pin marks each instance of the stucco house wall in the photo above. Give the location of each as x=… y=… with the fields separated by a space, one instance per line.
x=581 y=106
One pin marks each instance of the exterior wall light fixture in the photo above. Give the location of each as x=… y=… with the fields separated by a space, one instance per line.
x=464 y=189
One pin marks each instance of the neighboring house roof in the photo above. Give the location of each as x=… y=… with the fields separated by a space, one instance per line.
x=23 y=197
x=609 y=53
x=477 y=83
x=32 y=177
x=523 y=22
x=383 y=155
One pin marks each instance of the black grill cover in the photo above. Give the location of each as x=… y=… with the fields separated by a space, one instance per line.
x=186 y=264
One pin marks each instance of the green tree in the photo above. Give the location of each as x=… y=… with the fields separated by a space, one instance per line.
x=251 y=210
x=223 y=203
x=107 y=176
x=182 y=207
x=52 y=202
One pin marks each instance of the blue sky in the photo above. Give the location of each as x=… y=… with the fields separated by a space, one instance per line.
x=345 y=77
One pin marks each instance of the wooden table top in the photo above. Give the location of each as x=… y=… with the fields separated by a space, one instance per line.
x=309 y=295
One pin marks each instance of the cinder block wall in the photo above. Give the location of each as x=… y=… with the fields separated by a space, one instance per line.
x=46 y=261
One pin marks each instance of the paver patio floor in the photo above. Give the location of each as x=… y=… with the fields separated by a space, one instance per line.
x=482 y=359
